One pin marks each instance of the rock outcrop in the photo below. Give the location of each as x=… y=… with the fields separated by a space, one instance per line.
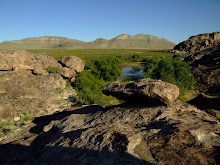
x=202 y=53
x=206 y=70
x=72 y=62
x=144 y=91
x=204 y=102
x=12 y=60
x=178 y=134
x=21 y=91
x=26 y=86
x=198 y=43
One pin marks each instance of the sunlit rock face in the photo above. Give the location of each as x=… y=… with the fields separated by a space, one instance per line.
x=144 y=91
x=27 y=86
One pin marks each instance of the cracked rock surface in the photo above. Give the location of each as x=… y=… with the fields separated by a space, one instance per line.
x=177 y=134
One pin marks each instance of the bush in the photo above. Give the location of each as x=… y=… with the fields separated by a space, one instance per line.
x=169 y=70
x=89 y=83
x=51 y=69
x=136 y=58
x=104 y=68
x=68 y=84
x=89 y=88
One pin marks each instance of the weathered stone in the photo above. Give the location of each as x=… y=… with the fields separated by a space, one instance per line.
x=72 y=62
x=73 y=79
x=202 y=53
x=25 y=85
x=19 y=59
x=68 y=72
x=40 y=71
x=214 y=112
x=145 y=91
x=198 y=43
x=17 y=118
x=38 y=95
x=178 y=134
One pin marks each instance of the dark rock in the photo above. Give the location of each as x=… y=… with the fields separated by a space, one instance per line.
x=198 y=43
x=203 y=101
x=202 y=53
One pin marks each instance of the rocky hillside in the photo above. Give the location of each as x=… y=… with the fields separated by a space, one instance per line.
x=35 y=83
x=177 y=133
x=198 y=43
x=124 y=41
x=202 y=53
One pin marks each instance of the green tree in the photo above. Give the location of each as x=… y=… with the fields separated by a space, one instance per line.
x=169 y=70
x=89 y=83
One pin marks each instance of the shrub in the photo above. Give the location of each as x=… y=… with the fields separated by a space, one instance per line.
x=51 y=69
x=136 y=58
x=25 y=117
x=169 y=70
x=89 y=83
x=68 y=84
x=89 y=88
x=59 y=90
x=104 y=68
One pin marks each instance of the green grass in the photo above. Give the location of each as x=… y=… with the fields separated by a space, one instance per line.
x=10 y=127
x=91 y=53
x=187 y=95
x=51 y=69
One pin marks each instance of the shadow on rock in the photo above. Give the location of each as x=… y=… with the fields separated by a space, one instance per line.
x=45 y=120
x=41 y=152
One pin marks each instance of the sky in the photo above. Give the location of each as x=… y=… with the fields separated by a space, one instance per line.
x=87 y=20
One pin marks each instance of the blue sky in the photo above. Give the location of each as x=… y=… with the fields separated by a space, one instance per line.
x=175 y=20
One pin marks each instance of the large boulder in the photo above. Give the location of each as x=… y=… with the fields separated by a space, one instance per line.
x=20 y=59
x=68 y=73
x=72 y=62
x=145 y=91
x=21 y=91
x=26 y=86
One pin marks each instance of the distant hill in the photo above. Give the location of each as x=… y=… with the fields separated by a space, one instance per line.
x=123 y=41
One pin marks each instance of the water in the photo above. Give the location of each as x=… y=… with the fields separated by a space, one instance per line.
x=132 y=72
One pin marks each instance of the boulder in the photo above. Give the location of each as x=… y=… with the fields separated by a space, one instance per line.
x=40 y=71
x=144 y=91
x=25 y=85
x=23 y=60
x=38 y=95
x=72 y=62
x=68 y=72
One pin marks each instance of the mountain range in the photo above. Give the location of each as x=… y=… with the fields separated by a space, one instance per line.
x=123 y=41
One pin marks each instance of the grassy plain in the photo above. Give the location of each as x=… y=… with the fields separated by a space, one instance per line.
x=91 y=53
